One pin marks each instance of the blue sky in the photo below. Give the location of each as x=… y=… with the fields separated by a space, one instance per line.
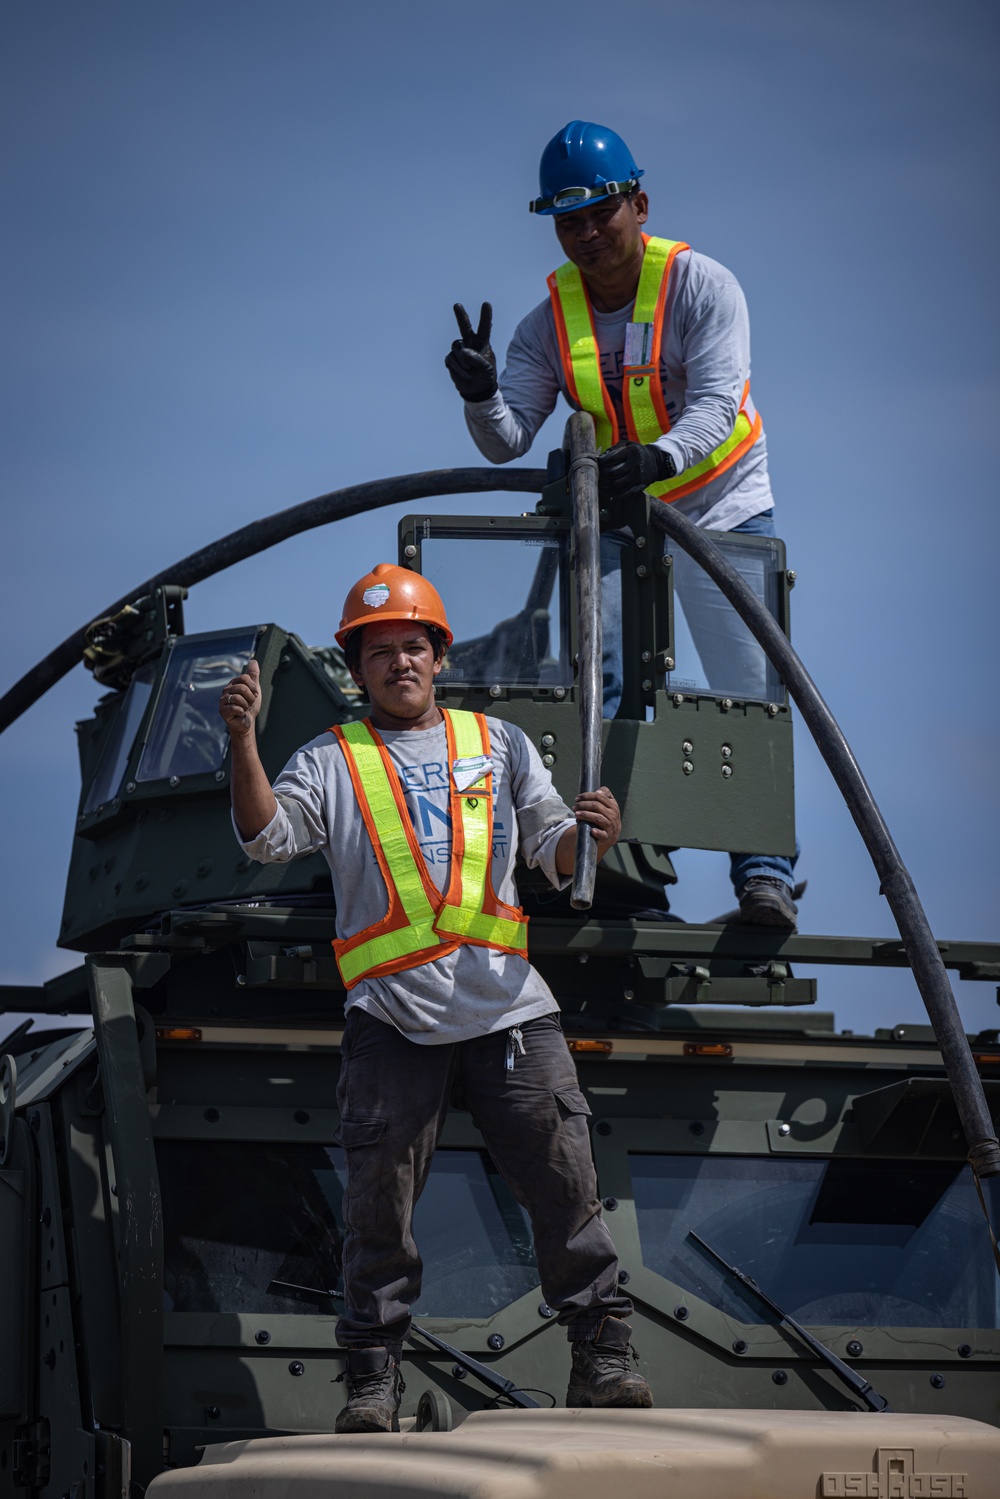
x=232 y=236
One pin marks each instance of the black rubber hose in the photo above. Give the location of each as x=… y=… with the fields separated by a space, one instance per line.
x=895 y=883
x=261 y=534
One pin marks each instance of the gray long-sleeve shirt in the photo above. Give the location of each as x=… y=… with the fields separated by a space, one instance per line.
x=704 y=366
x=474 y=990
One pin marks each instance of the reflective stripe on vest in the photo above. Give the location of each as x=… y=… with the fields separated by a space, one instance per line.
x=646 y=416
x=421 y=924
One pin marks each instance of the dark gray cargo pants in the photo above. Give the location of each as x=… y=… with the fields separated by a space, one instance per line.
x=394 y=1096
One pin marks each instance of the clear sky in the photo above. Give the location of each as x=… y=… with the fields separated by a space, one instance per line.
x=232 y=235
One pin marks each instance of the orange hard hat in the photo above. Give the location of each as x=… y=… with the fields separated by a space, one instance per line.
x=390 y=592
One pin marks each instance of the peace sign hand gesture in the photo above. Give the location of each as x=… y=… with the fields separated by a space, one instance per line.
x=472 y=364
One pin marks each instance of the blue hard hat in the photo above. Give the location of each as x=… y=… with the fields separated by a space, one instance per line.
x=582 y=163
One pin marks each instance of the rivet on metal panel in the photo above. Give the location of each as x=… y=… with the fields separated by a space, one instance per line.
x=610 y=1204
x=559 y=693
x=677 y=699
x=726 y=751
x=784 y=1129
x=668 y=663
x=687 y=746
x=773 y=710
x=647 y=685
x=548 y=740
x=409 y=552
x=779 y=1376
x=495 y=690
x=544 y=1310
x=687 y=767
x=495 y=1341
x=642 y=570
x=548 y=761
x=681 y=1313
x=727 y=771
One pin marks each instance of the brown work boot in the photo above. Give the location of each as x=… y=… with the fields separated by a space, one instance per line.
x=602 y=1374
x=374 y=1388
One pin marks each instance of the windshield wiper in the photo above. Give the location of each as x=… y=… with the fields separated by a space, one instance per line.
x=495 y=1382
x=854 y=1381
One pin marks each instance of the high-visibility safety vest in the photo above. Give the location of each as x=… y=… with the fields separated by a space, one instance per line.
x=642 y=393
x=421 y=924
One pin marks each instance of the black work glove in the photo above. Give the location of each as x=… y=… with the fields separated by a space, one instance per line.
x=472 y=364
x=629 y=466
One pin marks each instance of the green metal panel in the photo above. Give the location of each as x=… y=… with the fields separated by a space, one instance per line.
x=737 y=791
x=137 y=1188
x=161 y=845
x=18 y=1213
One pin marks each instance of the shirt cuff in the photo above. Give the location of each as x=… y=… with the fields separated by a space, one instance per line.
x=267 y=843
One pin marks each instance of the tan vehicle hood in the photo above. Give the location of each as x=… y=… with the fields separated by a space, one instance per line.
x=582 y=1454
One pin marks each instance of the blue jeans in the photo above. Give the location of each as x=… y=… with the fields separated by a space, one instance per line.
x=716 y=643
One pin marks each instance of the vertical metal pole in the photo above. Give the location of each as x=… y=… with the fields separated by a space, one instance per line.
x=138 y=1184
x=589 y=681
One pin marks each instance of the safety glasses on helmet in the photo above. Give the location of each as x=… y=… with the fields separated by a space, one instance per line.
x=574 y=197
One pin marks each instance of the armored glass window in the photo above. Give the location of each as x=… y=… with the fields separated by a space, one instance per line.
x=507 y=606
x=111 y=768
x=252 y=1227
x=187 y=737
x=836 y=1243
x=714 y=650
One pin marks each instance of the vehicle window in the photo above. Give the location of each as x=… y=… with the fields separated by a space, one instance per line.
x=713 y=648
x=107 y=782
x=187 y=736
x=836 y=1243
x=252 y=1227
x=507 y=607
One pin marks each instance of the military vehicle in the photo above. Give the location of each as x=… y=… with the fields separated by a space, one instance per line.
x=798 y=1221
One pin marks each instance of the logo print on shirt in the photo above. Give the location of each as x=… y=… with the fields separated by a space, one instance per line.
x=431 y=817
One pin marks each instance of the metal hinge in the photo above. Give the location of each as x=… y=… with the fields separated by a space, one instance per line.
x=31 y=1454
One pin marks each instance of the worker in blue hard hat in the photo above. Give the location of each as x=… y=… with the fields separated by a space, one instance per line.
x=653 y=339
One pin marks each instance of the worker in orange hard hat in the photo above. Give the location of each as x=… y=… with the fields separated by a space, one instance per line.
x=421 y=812
x=390 y=592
